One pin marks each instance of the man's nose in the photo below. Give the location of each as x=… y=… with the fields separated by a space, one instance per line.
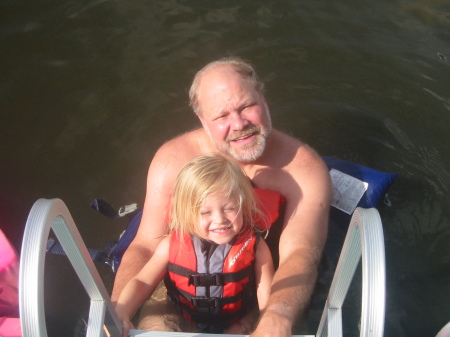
x=238 y=122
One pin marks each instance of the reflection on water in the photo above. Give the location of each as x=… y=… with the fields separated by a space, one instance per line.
x=90 y=89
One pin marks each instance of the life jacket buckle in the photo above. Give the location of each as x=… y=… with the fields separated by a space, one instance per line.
x=206 y=280
x=205 y=302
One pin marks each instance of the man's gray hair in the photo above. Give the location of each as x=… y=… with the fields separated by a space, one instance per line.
x=240 y=66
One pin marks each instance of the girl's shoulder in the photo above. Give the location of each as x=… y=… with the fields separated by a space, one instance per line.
x=165 y=242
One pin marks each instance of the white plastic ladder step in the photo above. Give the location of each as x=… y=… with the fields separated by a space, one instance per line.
x=141 y=333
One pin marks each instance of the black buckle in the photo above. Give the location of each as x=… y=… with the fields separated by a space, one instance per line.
x=206 y=280
x=205 y=302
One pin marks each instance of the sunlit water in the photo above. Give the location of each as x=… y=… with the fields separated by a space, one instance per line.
x=90 y=89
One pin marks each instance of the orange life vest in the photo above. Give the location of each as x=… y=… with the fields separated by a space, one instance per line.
x=213 y=287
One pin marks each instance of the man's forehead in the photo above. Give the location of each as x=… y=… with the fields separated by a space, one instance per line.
x=226 y=102
x=225 y=82
x=219 y=75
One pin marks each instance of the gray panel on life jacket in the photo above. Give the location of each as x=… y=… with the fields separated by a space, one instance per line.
x=202 y=265
x=216 y=266
x=213 y=265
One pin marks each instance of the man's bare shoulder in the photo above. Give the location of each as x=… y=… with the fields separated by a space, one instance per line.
x=183 y=147
x=289 y=152
x=186 y=141
x=172 y=156
x=289 y=162
x=306 y=163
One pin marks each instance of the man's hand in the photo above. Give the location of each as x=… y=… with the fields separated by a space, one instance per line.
x=273 y=323
x=126 y=326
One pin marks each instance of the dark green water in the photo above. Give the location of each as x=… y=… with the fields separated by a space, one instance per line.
x=90 y=89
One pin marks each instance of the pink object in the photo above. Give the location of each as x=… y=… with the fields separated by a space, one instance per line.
x=9 y=295
x=10 y=327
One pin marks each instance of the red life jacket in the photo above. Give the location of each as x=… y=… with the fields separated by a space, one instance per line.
x=269 y=203
x=213 y=287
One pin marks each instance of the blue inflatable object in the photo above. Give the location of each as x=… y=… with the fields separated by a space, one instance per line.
x=125 y=240
x=378 y=182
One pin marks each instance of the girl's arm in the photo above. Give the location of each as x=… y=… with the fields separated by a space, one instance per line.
x=140 y=287
x=264 y=271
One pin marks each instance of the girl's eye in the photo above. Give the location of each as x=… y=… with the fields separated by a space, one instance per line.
x=205 y=213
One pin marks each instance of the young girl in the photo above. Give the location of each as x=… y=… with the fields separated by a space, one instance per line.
x=213 y=261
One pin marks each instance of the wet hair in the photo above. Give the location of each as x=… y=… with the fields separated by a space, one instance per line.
x=240 y=66
x=203 y=175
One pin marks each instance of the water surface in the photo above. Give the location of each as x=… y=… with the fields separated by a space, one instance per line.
x=90 y=89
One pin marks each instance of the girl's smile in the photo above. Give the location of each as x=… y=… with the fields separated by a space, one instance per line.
x=220 y=218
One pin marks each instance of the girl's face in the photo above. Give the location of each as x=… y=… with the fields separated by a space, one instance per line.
x=220 y=219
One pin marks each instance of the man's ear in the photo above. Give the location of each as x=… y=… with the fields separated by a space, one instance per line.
x=205 y=126
x=201 y=119
x=263 y=98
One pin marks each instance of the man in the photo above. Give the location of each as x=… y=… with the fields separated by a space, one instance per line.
x=228 y=98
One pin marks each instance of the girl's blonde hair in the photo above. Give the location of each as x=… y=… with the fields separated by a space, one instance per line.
x=203 y=175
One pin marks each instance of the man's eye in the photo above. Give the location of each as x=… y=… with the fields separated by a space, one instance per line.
x=221 y=117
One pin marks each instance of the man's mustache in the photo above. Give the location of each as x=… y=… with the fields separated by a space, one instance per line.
x=254 y=129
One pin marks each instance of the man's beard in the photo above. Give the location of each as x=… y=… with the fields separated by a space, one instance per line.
x=249 y=152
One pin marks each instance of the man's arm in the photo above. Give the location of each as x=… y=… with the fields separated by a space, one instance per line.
x=301 y=244
x=140 y=287
x=161 y=176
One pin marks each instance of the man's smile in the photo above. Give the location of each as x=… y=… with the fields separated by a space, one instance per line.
x=240 y=136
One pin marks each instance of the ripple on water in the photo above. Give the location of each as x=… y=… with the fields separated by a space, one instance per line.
x=421 y=160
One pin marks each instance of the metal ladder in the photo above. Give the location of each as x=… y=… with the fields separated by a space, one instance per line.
x=364 y=238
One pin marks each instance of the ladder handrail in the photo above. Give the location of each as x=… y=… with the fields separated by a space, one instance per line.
x=364 y=239
x=53 y=214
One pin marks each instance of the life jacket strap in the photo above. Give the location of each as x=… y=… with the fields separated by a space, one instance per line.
x=213 y=302
x=247 y=295
x=206 y=318
x=208 y=280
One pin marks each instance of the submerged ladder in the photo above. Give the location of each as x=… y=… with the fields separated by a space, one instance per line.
x=364 y=239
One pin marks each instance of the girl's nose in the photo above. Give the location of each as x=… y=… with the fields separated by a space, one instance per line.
x=218 y=217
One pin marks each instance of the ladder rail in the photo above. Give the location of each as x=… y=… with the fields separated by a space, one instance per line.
x=364 y=240
x=53 y=214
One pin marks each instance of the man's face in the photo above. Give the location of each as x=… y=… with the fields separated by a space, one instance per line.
x=234 y=115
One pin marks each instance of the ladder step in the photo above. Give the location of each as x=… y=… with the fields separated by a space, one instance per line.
x=143 y=333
